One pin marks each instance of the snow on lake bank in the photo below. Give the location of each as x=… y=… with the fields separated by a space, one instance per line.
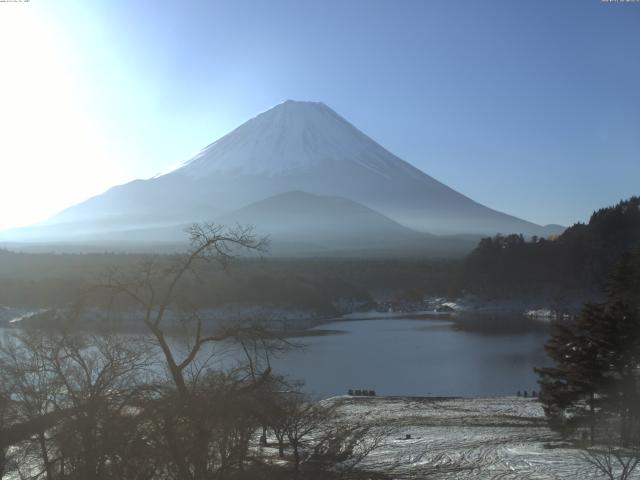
x=459 y=438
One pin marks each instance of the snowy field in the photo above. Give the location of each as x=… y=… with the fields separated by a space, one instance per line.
x=487 y=438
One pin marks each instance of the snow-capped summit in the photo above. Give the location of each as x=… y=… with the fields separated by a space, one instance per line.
x=294 y=146
x=291 y=137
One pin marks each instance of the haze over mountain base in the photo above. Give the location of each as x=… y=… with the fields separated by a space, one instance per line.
x=303 y=175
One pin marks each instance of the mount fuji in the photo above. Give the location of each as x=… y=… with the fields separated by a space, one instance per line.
x=305 y=155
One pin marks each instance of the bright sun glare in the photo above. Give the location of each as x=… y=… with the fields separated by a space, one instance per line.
x=49 y=142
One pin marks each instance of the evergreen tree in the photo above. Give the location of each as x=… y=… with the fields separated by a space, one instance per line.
x=619 y=335
x=596 y=376
x=569 y=390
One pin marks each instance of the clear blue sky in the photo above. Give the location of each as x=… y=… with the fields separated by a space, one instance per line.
x=530 y=107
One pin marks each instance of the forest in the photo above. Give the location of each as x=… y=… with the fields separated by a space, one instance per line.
x=568 y=269
x=315 y=284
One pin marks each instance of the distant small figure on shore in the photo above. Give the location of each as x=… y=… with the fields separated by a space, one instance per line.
x=525 y=394
x=519 y=394
x=534 y=393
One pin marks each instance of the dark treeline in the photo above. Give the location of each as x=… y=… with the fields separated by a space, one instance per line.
x=45 y=280
x=573 y=265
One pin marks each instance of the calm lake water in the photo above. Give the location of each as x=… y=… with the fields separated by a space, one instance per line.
x=403 y=356
x=408 y=356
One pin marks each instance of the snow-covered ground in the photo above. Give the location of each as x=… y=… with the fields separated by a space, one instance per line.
x=484 y=438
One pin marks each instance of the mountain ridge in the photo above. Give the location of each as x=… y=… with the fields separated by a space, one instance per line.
x=294 y=146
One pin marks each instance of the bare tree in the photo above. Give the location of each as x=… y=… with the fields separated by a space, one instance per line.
x=32 y=386
x=154 y=288
x=305 y=422
x=613 y=463
x=5 y=414
x=68 y=392
x=206 y=422
x=345 y=446
x=100 y=375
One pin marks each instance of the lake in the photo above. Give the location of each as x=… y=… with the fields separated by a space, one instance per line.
x=405 y=356
x=411 y=356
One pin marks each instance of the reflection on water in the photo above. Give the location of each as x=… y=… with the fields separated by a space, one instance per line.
x=410 y=357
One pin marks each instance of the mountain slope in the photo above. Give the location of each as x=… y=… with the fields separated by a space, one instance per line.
x=297 y=224
x=302 y=146
x=300 y=222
